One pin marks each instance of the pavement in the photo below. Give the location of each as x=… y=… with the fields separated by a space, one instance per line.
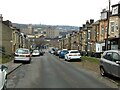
x=12 y=66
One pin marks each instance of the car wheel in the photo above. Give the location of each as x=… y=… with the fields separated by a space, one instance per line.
x=29 y=61
x=80 y=60
x=102 y=71
x=15 y=61
x=65 y=59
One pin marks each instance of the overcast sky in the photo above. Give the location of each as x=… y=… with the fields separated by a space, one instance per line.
x=52 y=12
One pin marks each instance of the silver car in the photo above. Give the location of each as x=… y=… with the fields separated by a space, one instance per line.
x=36 y=53
x=110 y=63
x=22 y=54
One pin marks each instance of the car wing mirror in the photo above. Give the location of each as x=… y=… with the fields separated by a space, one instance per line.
x=3 y=67
x=14 y=54
x=118 y=62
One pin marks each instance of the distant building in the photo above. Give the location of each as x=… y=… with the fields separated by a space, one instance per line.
x=30 y=29
x=52 y=32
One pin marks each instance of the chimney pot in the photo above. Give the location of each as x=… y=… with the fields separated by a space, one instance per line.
x=91 y=21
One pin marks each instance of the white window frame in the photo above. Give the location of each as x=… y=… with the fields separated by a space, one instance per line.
x=112 y=26
x=102 y=30
x=89 y=35
x=116 y=27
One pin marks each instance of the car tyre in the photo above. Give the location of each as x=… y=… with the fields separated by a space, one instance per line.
x=15 y=61
x=80 y=60
x=29 y=61
x=102 y=71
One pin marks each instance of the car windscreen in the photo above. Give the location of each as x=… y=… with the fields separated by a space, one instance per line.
x=22 y=51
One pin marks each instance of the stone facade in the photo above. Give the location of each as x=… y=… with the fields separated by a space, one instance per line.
x=6 y=38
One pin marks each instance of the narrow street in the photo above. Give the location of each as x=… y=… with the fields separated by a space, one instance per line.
x=49 y=71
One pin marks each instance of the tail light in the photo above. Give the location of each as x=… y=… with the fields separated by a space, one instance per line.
x=30 y=55
x=16 y=55
x=70 y=55
x=78 y=54
x=27 y=55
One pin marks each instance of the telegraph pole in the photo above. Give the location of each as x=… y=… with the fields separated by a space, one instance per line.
x=108 y=26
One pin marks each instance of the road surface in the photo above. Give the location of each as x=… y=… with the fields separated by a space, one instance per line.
x=49 y=71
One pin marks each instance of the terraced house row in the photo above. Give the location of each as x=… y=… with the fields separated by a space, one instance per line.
x=92 y=36
x=10 y=37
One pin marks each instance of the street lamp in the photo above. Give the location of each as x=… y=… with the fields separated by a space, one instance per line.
x=108 y=25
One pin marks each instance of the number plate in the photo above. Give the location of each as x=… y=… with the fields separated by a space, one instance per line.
x=22 y=55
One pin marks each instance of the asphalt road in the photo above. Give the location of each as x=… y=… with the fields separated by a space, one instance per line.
x=49 y=71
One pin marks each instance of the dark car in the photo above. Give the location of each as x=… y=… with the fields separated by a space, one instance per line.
x=42 y=52
x=62 y=53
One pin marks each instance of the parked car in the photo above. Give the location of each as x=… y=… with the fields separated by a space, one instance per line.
x=55 y=52
x=36 y=53
x=110 y=63
x=62 y=53
x=73 y=55
x=3 y=77
x=52 y=50
x=58 y=52
x=22 y=54
x=41 y=52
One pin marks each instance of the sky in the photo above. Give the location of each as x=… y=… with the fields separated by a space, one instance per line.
x=53 y=12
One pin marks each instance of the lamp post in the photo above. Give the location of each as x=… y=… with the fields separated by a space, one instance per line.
x=108 y=25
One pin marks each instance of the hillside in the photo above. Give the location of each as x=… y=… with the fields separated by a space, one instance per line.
x=36 y=26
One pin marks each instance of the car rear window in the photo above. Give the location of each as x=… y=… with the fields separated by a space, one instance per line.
x=22 y=51
x=36 y=51
x=65 y=51
x=74 y=52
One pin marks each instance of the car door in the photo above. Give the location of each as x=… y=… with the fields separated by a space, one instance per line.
x=107 y=60
x=115 y=68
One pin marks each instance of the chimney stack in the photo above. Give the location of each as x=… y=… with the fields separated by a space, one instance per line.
x=80 y=28
x=91 y=21
x=87 y=22
x=83 y=25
